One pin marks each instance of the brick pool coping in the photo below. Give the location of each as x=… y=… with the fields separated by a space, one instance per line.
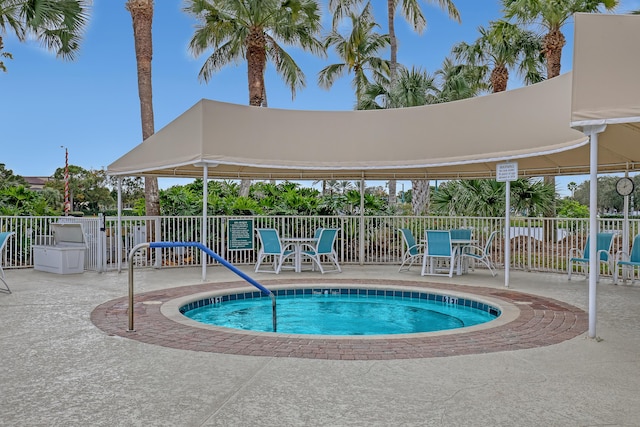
x=538 y=322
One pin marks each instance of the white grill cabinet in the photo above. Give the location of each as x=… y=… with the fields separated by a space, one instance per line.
x=66 y=255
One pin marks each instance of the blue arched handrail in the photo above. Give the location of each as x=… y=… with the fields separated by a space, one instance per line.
x=208 y=252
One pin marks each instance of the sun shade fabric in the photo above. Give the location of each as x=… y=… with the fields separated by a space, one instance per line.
x=452 y=140
x=606 y=66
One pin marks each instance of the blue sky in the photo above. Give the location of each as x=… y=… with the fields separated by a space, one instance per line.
x=91 y=105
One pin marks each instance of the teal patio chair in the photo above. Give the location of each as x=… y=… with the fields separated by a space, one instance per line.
x=580 y=258
x=324 y=248
x=271 y=248
x=4 y=237
x=627 y=262
x=477 y=253
x=412 y=252
x=438 y=248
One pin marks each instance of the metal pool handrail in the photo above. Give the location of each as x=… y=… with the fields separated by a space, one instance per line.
x=208 y=252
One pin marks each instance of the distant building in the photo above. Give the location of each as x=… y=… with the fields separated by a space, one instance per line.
x=36 y=183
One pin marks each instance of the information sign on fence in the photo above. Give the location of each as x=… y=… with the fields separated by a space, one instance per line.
x=239 y=234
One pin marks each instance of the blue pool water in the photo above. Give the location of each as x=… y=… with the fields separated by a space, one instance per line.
x=335 y=313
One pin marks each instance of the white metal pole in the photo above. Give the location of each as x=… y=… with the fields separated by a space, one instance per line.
x=119 y=225
x=361 y=249
x=507 y=234
x=594 y=263
x=625 y=223
x=203 y=231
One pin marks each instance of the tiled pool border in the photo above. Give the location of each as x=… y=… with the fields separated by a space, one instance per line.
x=350 y=291
x=533 y=321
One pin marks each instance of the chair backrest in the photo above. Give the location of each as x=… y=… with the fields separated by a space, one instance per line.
x=409 y=240
x=438 y=243
x=461 y=233
x=326 y=240
x=316 y=235
x=603 y=243
x=270 y=240
x=634 y=256
x=490 y=240
x=4 y=236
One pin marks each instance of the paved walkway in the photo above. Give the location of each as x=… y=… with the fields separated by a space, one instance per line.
x=57 y=368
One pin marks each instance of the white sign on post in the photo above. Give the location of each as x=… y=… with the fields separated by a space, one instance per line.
x=507 y=171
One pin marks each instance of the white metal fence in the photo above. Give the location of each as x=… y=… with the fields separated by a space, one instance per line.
x=538 y=244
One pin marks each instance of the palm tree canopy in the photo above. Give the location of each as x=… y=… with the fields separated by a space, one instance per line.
x=552 y=15
x=505 y=46
x=411 y=88
x=57 y=24
x=358 y=52
x=232 y=27
x=409 y=9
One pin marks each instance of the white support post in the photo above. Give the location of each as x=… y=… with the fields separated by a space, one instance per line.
x=625 y=223
x=361 y=249
x=203 y=231
x=594 y=262
x=507 y=234
x=119 y=226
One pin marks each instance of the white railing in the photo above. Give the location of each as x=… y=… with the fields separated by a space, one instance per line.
x=534 y=246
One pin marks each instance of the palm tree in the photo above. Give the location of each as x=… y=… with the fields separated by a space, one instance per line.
x=142 y=17
x=57 y=24
x=3 y=55
x=552 y=15
x=412 y=13
x=486 y=197
x=255 y=31
x=412 y=88
x=503 y=46
x=358 y=52
x=459 y=81
x=531 y=197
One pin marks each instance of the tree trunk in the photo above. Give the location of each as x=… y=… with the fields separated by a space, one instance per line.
x=552 y=45
x=256 y=62
x=245 y=185
x=142 y=17
x=499 y=78
x=420 y=190
x=393 y=191
x=391 y=11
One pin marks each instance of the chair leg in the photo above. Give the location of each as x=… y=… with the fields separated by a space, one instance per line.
x=7 y=290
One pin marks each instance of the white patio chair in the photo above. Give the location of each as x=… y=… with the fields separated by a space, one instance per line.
x=628 y=262
x=580 y=258
x=324 y=248
x=271 y=247
x=413 y=251
x=438 y=248
x=480 y=254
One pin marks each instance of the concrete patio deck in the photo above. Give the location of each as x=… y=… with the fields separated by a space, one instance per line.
x=57 y=368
